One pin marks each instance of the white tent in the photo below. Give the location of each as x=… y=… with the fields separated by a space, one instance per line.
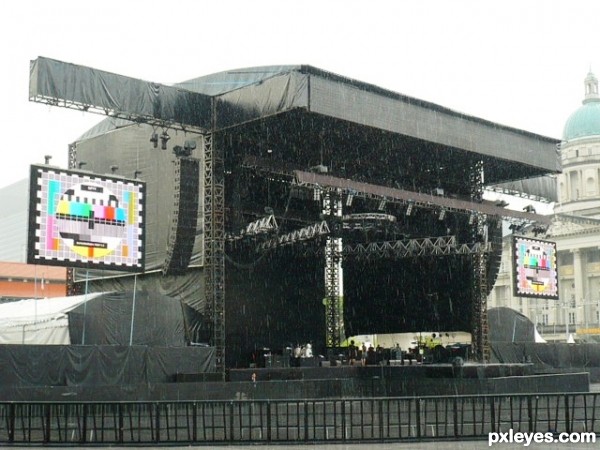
x=538 y=337
x=39 y=321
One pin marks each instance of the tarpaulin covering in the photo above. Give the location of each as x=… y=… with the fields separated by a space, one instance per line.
x=96 y=365
x=558 y=355
x=39 y=321
x=94 y=318
x=255 y=94
x=116 y=94
x=508 y=325
x=107 y=320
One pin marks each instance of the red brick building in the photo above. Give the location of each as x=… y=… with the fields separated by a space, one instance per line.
x=19 y=280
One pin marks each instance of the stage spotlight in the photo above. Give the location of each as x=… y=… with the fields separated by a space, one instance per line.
x=154 y=140
x=164 y=138
x=137 y=173
x=80 y=164
x=529 y=209
x=189 y=146
x=114 y=169
x=382 y=205
x=442 y=214
x=47 y=159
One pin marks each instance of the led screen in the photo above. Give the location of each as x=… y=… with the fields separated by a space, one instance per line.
x=536 y=274
x=80 y=219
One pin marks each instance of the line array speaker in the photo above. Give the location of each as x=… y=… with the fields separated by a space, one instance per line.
x=185 y=216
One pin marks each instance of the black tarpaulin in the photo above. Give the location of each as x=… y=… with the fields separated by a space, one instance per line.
x=97 y=365
x=107 y=320
x=508 y=325
x=65 y=84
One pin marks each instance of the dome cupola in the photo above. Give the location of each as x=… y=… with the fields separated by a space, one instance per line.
x=585 y=121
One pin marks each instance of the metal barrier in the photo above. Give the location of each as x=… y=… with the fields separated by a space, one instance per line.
x=332 y=420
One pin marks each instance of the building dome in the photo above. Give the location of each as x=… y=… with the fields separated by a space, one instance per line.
x=585 y=121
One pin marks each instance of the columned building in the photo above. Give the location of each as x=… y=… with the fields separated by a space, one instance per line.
x=576 y=231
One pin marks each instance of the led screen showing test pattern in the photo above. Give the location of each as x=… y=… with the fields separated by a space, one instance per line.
x=536 y=273
x=80 y=219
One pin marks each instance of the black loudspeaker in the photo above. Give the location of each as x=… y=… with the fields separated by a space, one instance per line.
x=185 y=216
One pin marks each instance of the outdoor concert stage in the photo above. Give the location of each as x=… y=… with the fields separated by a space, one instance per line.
x=288 y=204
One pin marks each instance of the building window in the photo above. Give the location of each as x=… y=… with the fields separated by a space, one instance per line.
x=565 y=258
x=593 y=255
x=544 y=319
x=571 y=318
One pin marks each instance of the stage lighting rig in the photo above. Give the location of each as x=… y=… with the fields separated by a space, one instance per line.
x=164 y=138
x=189 y=146
x=180 y=151
x=154 y=140
x=47 y=159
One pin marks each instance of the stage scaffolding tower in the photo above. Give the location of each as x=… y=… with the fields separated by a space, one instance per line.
x=479 y=328
x=334 y=283
x=214 y=245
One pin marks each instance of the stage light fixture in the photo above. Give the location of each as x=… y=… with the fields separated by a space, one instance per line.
x=164 y=138
x=136 y=174
x=529 y=209
x=47 y=159
x=154 y=140
x=382 y=205
x=114 y=169
x=80 y=164
x=189 y=146
x=442 y=215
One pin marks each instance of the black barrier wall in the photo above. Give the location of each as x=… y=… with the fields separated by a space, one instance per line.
x=98 y=365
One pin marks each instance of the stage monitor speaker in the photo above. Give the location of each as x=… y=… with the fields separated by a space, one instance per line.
x=185 y=216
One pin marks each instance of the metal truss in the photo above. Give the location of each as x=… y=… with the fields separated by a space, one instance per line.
x=214 y=245
x=479 y=327
x=261 y=226
x=334 y=287
x=438 y=246
x=71 y=287
x=303 y=234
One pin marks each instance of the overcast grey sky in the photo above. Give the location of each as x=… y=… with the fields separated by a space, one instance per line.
x=516 y=62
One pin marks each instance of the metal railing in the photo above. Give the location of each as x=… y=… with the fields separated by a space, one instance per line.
x=260 y=421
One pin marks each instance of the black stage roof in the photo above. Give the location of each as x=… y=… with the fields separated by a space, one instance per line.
x=318 y=100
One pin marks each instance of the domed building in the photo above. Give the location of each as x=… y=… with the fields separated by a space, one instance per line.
x=575 y=229
x=578 y=185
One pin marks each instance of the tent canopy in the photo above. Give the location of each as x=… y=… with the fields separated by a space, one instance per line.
x=94 y=319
